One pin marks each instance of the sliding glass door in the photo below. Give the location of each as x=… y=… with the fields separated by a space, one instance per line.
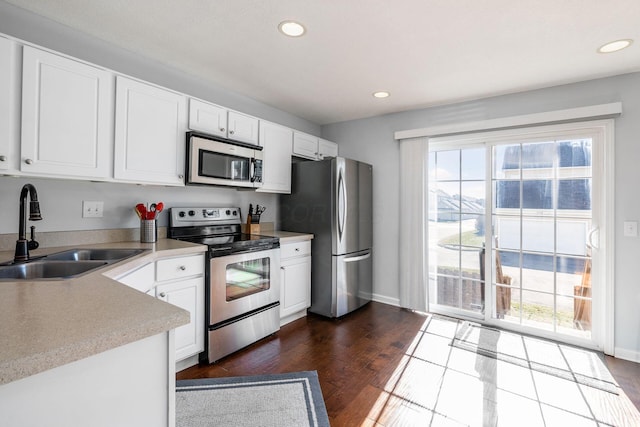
x=514 y=225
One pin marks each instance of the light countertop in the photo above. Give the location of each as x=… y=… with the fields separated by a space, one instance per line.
x=287 y=236
x=49 y=323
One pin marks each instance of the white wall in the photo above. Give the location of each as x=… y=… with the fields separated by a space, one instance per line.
x=372 y=140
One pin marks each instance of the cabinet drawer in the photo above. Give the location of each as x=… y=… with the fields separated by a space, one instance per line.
x=175 y=268
x=290 y=250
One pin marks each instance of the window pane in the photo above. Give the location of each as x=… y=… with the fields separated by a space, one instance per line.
x=507 y=232
x=473 y=196
x=538 y=234
x=537 y=310
x=506 y=162
x=473 y=164
x=538 y=155
x=574 y=153
x=537 y=194
x=574 y=194
x=537 y=272
x=448 y=165
x=507 y=194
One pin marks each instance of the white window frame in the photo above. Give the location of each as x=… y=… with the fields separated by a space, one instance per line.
x=602 y=334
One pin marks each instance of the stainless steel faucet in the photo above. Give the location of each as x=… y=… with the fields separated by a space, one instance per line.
x=22 y=244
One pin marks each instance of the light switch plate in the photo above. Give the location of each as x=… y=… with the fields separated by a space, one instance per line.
x=92 y=209
x=631 y=229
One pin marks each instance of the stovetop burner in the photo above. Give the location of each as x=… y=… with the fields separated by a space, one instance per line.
x=218 y=228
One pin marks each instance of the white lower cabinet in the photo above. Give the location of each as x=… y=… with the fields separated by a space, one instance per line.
x=295 y=280
x=178 y=281
x=188 y=295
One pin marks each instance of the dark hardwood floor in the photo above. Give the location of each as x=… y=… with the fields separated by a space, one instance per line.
x=355 y=358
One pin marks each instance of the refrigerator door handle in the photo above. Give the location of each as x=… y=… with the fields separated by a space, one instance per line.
x=358 y=258
x=342 y=205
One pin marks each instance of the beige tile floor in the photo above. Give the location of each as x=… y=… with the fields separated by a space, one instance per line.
x=439 y=385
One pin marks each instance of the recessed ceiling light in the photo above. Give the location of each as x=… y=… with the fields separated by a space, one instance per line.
x=615 y=46
x=381 y=94
x=291 y=28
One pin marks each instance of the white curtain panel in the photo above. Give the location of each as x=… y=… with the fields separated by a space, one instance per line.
x=413 y=220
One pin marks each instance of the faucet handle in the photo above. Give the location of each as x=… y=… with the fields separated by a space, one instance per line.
x=32 y=243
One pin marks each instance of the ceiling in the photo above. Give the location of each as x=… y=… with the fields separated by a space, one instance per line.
x=425 y=52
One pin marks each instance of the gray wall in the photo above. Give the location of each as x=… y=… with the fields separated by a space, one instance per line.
x=62 y=199
x=372 y=140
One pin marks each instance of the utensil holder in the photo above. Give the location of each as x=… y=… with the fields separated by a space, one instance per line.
x=148 y=231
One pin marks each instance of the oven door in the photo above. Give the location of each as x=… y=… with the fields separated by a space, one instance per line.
x=243 y=282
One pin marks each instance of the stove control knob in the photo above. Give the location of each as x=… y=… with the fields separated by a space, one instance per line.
x=192 y=213
x=228 y=212
x=181 y=214
x=235 y=213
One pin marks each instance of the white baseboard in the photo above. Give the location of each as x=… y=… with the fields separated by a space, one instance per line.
x=631 y=355
x=385 y=300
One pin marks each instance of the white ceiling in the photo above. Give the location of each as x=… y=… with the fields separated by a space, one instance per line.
x=425 y=52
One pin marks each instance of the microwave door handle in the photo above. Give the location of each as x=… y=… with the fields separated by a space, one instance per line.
x=252 y=170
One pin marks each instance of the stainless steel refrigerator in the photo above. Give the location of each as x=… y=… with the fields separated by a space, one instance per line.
x=332 y=199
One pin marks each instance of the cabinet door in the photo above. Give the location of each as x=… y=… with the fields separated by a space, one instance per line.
x=208 y=118
x=150 y=134
x=327 y=149
x=276 y=168
x=9 y=105
x=142 y=279
x=67 y=116
x=295 y=285
x=188 y=295
x=243 y=128
x=305 y=145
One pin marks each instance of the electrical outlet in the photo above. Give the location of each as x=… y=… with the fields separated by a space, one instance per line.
x=631 y=229
x=92 y=209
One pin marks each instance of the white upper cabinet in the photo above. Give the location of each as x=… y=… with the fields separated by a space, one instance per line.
x=276 y=141
x=67 y=116
x=327 y=149
x=305 y=145
x=9 y=105
x=149 y=133
x=218 y=121
x=207 y=118
x=312 y=147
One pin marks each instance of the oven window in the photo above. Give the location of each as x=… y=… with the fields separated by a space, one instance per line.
x=248 y=277
x=224 y=166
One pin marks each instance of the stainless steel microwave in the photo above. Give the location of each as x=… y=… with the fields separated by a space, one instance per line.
x=217 y=161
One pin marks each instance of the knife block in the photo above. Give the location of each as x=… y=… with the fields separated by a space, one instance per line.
x=251 y=228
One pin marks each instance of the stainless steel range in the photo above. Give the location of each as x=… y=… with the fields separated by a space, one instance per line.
x=242 y=285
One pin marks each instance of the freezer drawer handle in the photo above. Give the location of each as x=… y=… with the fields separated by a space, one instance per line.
x=358 y=258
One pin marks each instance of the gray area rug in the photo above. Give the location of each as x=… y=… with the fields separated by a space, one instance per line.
x=291 y=399
x=571 y=363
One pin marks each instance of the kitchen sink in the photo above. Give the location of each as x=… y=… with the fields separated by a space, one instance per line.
x=110 y=255
x=65 y=264
x=48 y=269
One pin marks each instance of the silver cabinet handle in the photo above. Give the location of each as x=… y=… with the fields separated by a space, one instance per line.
x=162 y=294
x=182 y=268
x=181 y=176
x=3 y=158
x=28 y=161
x=297 y=249
x=231 y=132
x=222 y=129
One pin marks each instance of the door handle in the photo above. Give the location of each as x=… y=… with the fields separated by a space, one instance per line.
x=594 y=243
x=358 y=258
x=342 y=205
